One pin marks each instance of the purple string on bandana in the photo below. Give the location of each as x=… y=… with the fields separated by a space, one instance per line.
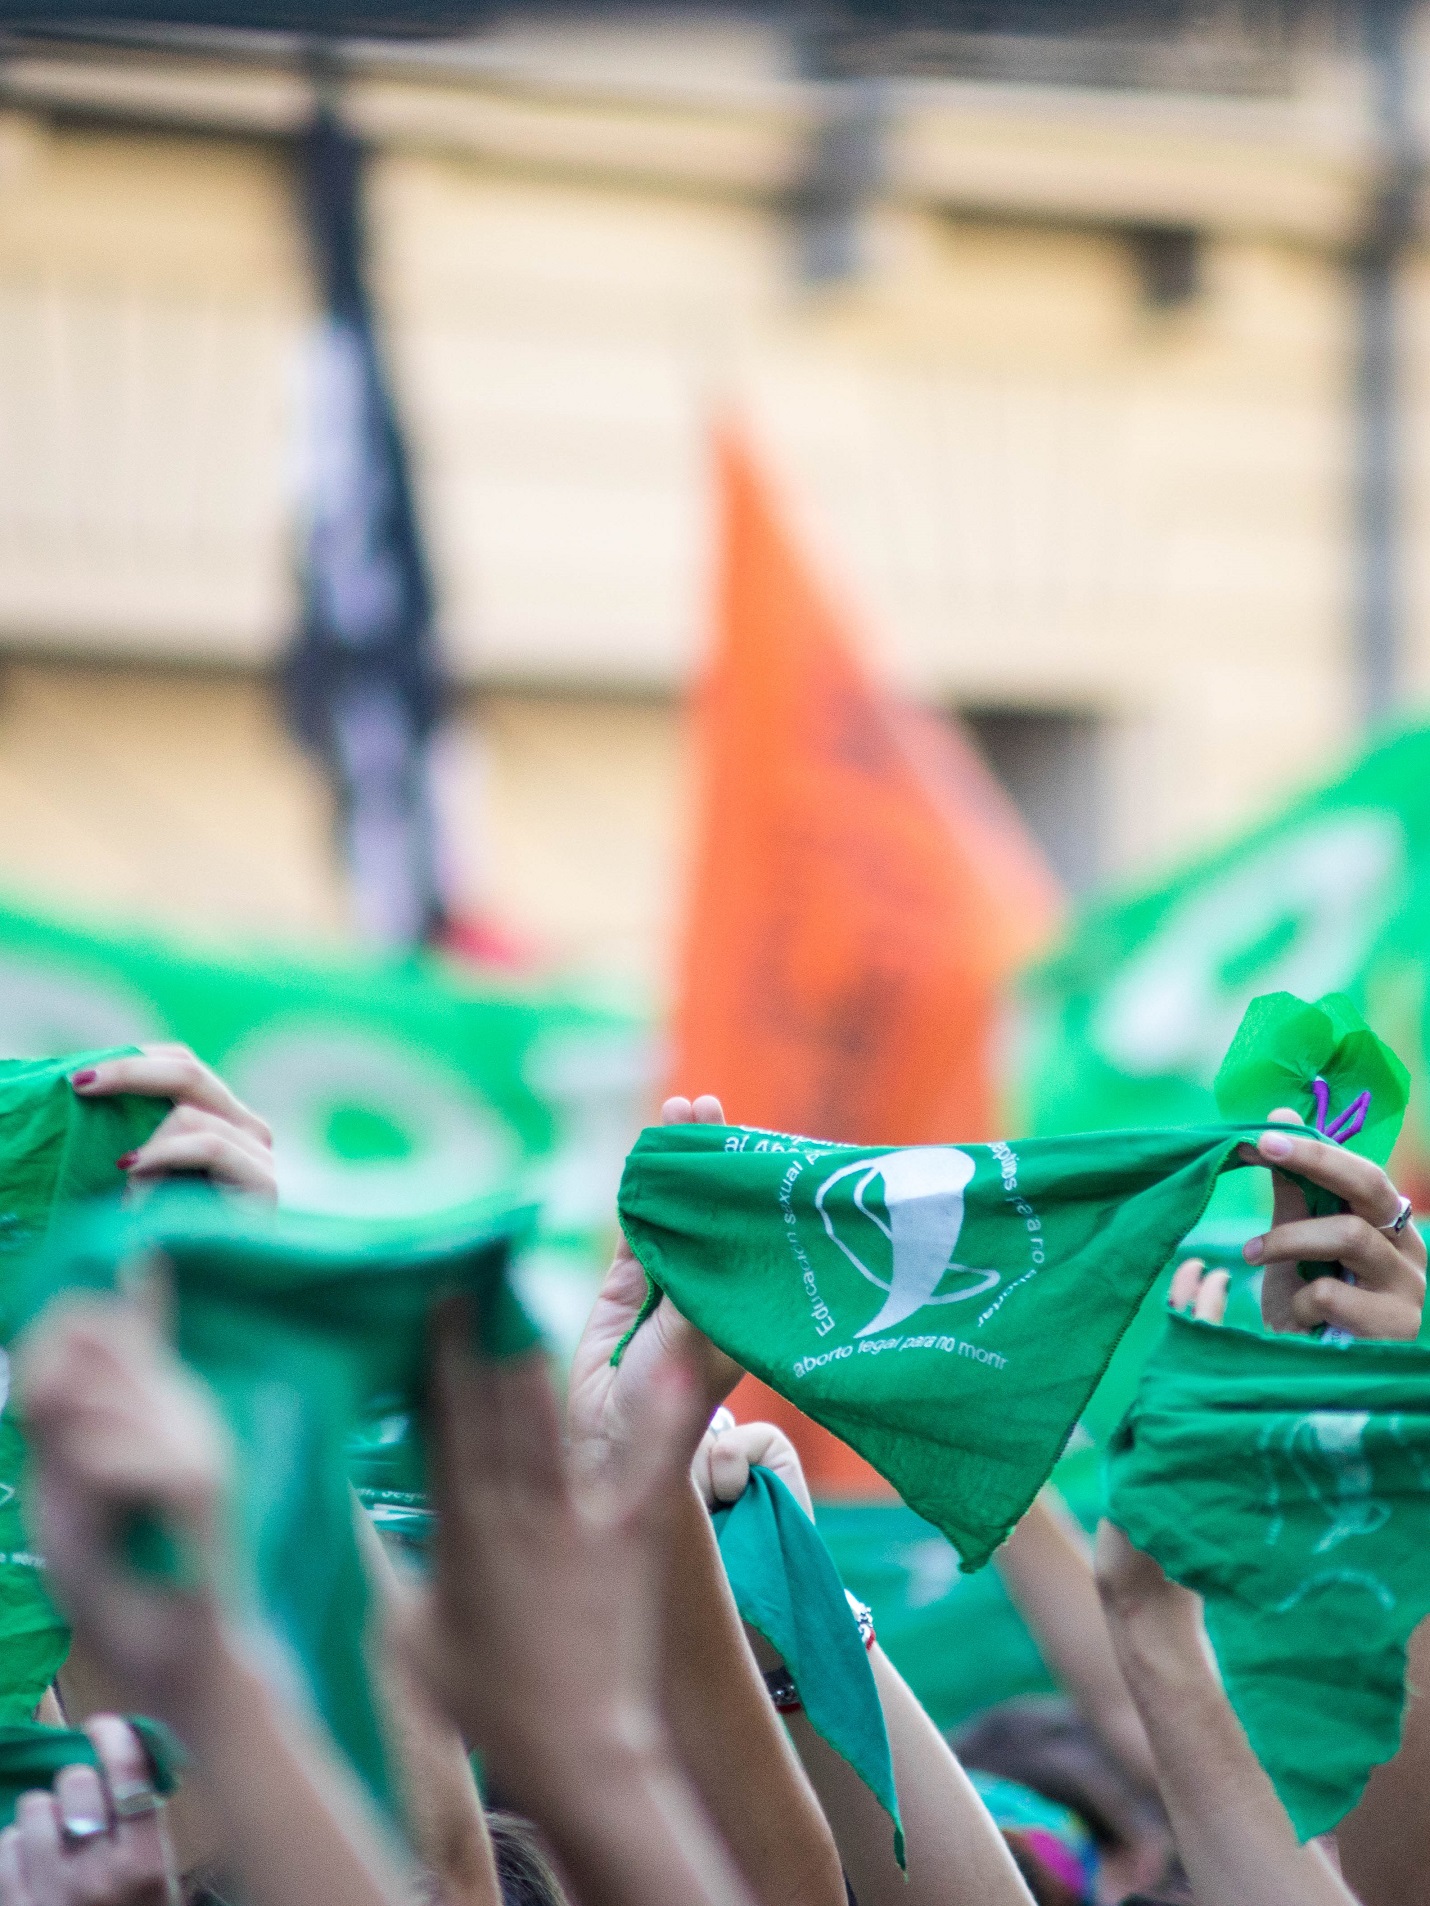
x=1346 y=1124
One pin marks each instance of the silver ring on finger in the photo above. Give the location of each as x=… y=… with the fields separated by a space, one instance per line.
x=79 y=1831
x=134 y=1800
x=1399 y=1221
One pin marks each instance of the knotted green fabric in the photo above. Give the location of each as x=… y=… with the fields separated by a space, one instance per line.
x=786 y=1586
x=947 y=1310
x=31 y=1756
x=302 y=1327
x=1284 y=1048
x=1287 y=1481
x=56 y=1149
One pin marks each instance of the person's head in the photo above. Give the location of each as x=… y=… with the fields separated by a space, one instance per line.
x=1042 y=1743
x=526 y=1874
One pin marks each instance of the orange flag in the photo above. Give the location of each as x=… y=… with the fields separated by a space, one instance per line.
x=863 y=891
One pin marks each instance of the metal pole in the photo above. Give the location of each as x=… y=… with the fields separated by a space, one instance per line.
x=1375 y=270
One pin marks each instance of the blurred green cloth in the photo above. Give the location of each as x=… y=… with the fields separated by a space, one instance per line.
x=302 y=1327
x=56 y=1149
x=1287 y=1481
x=786 y=1586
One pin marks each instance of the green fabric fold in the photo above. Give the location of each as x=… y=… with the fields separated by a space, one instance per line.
x=946 y=1310
x=31 y=1755
x=303 y=1328
x=56 y=1149
x=1283 y=1045
x=1287 y=1481
x=786 y=1586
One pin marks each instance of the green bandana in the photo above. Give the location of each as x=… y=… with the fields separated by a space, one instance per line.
x=56 y=1149
x=785 y=1585
x=302 y=1327
x=31 y=1756
x=1288 y=1482
x=947 y=1310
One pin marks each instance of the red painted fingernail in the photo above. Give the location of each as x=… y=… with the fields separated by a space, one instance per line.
x=126 y=1161
x=87 y=1077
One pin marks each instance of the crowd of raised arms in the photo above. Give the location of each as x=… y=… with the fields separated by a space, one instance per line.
x=575 y=1636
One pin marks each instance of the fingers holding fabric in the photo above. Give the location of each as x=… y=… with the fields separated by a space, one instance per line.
x=170 y=1072
x=705 y=1110
x=1198 y=1292
x=1360 y=1182
x=729 y=1450
x=1385 y=1298
x=194 y=1143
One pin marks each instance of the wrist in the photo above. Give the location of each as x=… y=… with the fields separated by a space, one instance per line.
x=1159 y=1643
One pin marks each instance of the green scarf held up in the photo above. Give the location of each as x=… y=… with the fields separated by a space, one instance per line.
x=56 y=1149
x=786 y=1586
x=946 y=1309
x=31 y=1755
x=302 y=1327
x=1287 y=1481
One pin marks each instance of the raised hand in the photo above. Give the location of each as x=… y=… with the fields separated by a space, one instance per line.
x=729 y=1450
x=1198 y=1292
x=116 y=1427
x=209 y=1133
x=603 y=1398
x=540 y=1635
x=98 y=1838
x=1387 y=1264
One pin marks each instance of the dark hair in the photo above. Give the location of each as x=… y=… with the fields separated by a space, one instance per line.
x=523 y=1865
x=1043 y=1742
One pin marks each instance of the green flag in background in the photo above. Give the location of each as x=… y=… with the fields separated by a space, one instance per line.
x=945 y=1309
x=302 y=1327
x=394 y=1090
x=1288 y=1482
x=1128 y=1023
x=55 y=1149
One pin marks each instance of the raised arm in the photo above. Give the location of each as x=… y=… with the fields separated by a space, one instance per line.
x=115 y=1425
x=1236 y=1842
x=725 y=1730
x=1046 y=1566
x=956 y=1855
x=541 y=1633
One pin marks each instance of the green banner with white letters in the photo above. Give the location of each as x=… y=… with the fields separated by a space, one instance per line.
x=394 y=1090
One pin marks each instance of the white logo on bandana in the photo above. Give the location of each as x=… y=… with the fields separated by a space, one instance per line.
x=923 y=1195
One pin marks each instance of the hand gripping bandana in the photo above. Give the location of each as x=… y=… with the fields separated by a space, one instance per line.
x=945 y=1309
x=302 y=1328
x=1287 y=1481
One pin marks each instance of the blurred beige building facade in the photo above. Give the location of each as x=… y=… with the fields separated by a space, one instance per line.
x=1111 y=518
